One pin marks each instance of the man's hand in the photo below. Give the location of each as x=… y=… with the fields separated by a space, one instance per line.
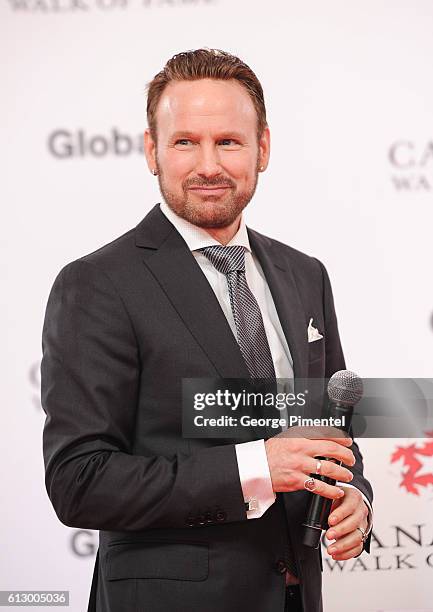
x=346 y=516
x=291 y=460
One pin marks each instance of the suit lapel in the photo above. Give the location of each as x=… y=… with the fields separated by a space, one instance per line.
x=282 y=285
x=176 y=270
x=168 y=258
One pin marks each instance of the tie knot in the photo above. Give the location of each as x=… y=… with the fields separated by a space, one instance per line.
x=226 y=258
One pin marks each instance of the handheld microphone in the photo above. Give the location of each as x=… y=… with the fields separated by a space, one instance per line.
x=344 y=391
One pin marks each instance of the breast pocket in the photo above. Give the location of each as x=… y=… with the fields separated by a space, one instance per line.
x=316 y=359
x=316 y=349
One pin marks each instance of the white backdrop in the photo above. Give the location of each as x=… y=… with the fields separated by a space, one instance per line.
x=349 y=95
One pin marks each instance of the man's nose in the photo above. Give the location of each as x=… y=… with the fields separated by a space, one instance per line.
x=208 y=161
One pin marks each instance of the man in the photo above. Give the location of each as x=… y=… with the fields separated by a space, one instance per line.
x=194 y=524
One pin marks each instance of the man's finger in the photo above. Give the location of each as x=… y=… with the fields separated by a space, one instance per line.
x=322 y=488
x=332 y=450
x=347 y=525
x=350 y=541
x=347 y=507
x=348 y=554
x=329 y=469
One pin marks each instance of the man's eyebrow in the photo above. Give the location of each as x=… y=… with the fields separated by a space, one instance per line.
x=221 y=135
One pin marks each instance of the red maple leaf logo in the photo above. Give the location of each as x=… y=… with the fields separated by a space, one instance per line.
x=411 y=455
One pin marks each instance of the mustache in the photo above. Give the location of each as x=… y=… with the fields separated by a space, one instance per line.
x=221 y=182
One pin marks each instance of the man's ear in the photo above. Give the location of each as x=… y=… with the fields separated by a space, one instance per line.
x=264 y=148
x=149 y=146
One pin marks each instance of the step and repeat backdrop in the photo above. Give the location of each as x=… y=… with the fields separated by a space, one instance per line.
x=349 y=95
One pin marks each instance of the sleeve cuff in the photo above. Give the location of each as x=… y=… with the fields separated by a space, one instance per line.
x=255 y=477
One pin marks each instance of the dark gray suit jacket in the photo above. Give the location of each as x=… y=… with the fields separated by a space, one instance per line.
x=123 y=326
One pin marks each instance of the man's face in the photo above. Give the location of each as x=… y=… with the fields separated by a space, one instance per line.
x=207 y=154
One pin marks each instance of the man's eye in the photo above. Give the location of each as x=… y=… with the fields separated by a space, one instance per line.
x=227 y=142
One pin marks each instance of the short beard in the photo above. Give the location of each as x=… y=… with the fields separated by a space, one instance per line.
x=211 y=214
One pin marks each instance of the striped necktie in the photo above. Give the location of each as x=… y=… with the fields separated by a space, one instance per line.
x=250 y=331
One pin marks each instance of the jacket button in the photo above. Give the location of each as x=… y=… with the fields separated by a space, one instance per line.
x=220 y=516
x=191 y=521
x=280 y=567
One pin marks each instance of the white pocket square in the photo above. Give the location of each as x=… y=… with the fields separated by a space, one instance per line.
x=313 y=333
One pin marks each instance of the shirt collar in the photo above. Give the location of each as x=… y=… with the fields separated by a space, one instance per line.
x=197 y=237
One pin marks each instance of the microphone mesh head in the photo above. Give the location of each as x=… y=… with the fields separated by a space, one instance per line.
x=345 y=387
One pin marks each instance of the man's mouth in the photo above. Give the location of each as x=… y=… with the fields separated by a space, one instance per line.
x=216 y=190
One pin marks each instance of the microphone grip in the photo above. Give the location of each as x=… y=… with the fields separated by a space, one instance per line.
x=318 y=511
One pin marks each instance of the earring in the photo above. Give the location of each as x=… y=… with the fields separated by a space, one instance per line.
x=154 y=172
x=261 y=168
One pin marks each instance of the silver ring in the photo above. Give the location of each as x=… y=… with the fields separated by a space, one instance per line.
x=364 y=535
x=318 y=466
x=310 y=484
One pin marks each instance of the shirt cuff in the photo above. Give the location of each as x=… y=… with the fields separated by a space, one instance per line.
x=370 y=509
x=255 y=477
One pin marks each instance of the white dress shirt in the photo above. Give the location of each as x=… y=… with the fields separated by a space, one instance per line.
x=251 y=456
